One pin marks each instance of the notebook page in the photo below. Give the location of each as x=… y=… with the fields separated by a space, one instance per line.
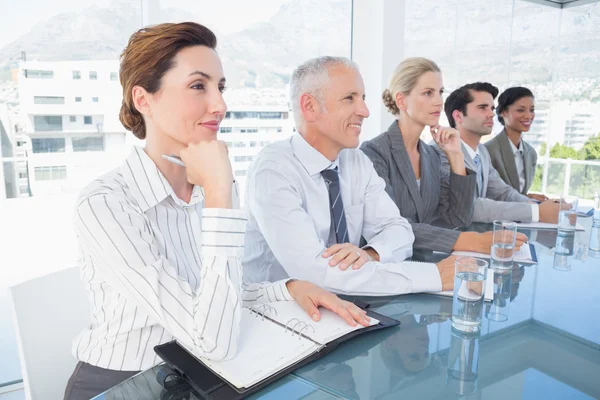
x=264 y=349
x=330 y=327
x=522 y=256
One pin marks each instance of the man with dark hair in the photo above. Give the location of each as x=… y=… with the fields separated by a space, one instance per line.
x=470 y=109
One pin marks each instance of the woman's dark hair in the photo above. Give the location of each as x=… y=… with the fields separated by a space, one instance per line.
x=509 y=97
x=148 y=56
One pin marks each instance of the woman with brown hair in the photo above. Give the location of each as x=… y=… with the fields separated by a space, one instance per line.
x=160 y=244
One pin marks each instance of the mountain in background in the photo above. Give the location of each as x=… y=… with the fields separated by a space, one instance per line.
x=476 y=43
x=261 y=55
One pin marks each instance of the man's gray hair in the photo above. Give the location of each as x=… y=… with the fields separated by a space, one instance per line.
x=310 y=77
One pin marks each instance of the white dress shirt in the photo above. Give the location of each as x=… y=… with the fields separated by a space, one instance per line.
x=157 y=268
x=518 y=153
x=535 y=209
x=289 y=223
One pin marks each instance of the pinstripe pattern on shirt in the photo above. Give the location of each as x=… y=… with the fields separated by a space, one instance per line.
x=157 y=268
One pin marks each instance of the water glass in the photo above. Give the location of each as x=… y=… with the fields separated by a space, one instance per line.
x=463 y=362
x=567 y=216
x=469 y=290
x=498 y=311
x=503 y=245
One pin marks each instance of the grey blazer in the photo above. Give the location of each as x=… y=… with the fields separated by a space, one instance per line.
x=448 y=196
x=503 y=160
x=500 y=201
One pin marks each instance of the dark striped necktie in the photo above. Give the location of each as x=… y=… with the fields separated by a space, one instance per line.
x=338 y=218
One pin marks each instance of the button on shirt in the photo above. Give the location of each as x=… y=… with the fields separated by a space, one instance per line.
x=157 y=268
x=535 y=210
x=518 y=152
x=289 y=223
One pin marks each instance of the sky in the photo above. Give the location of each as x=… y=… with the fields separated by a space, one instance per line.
x=227 y=16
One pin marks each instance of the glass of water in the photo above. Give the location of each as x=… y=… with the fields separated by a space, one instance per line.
x=503 y=245
x=567 y=216
x=469 y=290
x=567 y=222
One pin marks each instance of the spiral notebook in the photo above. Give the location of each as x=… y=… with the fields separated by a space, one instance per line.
x=275 y=339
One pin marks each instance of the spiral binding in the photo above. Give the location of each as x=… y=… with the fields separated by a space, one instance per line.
x=262 y=309
x=297 y=328
x=301 y=327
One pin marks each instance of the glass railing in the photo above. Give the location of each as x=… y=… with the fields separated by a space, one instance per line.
x=567 y=177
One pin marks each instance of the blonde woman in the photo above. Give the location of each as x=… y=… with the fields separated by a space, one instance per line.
x=412 y=169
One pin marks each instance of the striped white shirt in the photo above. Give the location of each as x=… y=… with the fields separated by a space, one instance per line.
x=157 y=268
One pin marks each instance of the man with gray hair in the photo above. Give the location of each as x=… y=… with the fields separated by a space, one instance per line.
x=311 y=198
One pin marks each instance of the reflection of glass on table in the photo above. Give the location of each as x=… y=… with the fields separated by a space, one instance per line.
x=498 y=311
x=463 y=362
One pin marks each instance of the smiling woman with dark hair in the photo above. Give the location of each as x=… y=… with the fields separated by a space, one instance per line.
x=160 y=244
x=514 y=159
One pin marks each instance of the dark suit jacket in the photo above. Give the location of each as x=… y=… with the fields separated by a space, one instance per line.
x=442 y=194
x=503 y=160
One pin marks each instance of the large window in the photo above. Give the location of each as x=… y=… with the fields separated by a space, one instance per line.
x=259 y=44
x=553 y=52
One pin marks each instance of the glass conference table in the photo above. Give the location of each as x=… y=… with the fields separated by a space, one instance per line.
x=549 y=348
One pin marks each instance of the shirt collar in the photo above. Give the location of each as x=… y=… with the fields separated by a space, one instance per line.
x=310 y=158
x=471 y=152
x=514 y=148
x=148 y=185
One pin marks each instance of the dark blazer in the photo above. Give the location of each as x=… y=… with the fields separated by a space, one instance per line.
x=503 y=160
x=441 y=194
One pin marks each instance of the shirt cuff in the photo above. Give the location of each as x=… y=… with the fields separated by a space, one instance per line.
x=223 y=232
x=535 y=213
x=283 y=286
x=385 y=256
x=425 y=277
